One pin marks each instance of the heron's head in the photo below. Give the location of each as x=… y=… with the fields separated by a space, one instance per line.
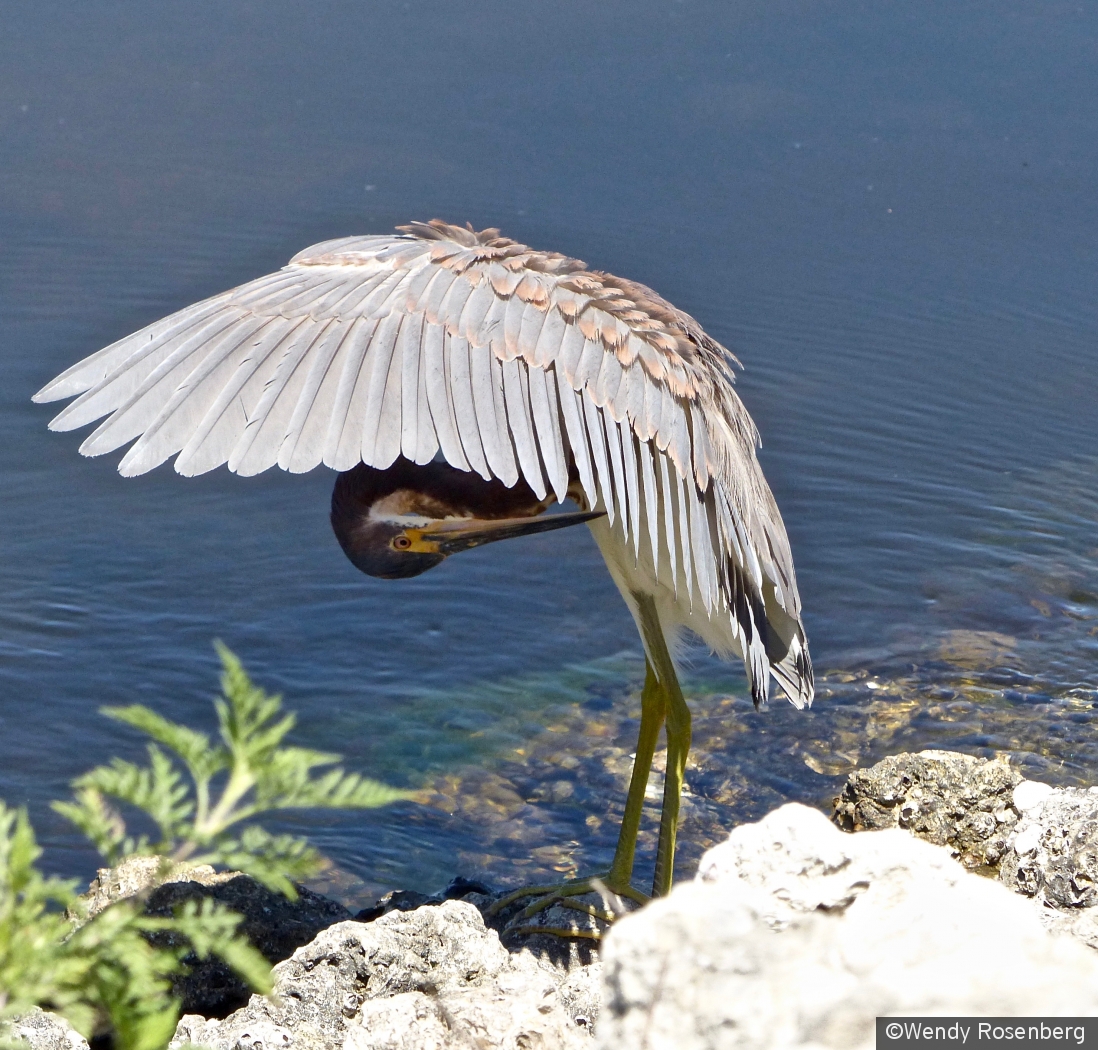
x=389 y=550
x=398 y=532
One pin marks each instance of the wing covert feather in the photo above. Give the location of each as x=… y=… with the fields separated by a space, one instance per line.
x=567 y=342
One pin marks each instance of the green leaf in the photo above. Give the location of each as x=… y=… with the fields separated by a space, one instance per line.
x=32 y=923
x=202 y=795
x=190 y=745
x=277 y=861
x=264 y=776
x=130 y=979
x=101 y=823
x=158 y=789
x=22 y=852
x=246 y=712
x=211 y=929
x=290 y=787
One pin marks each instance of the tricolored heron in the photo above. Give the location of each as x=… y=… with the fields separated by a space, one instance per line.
x=462 y=383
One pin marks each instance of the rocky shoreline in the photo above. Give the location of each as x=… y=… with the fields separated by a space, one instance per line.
x=977 y=895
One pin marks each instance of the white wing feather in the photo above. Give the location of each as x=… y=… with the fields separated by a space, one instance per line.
x=576 y=431
x=259 y=445
x=303 y=445
x=464 y=405
x=439 y=400
x=520 y=419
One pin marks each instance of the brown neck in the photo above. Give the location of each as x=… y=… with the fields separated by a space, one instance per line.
x=434 y=490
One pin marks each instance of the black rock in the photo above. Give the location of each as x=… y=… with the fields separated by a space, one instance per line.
x=460 y=886
x=395 y=900
x=276 y=926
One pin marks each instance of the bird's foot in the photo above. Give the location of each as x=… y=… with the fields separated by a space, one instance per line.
x=579 y=909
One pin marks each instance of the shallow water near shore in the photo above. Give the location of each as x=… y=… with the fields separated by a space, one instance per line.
x=887 y=215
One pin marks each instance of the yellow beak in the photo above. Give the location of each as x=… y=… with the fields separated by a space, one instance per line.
x=451 y=535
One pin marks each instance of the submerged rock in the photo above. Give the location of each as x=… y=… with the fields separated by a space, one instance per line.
x=409 y=900
x=947 y=798
x=796 y=934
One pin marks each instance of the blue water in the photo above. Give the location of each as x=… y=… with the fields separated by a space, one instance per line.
x=887 y=211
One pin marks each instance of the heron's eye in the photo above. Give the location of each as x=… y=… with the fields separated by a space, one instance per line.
x=401 y=543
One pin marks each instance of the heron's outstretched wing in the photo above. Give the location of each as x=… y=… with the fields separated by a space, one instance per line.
x=511 y=362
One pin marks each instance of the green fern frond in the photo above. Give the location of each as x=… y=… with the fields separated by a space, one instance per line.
x=201 y=795
x=192 y=747
x=101 y=823
x=277 y=861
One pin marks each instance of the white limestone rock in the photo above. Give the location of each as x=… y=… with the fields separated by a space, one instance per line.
x=1052 y=857
x=1052 y=854
x=42 y=1030
x=1029 y=794
x=797 y=935
x=415 y=980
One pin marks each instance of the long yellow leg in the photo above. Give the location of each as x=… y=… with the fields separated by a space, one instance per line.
x=661 y=701
x=653 y=712
x=678 y=742
x=618 y=879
